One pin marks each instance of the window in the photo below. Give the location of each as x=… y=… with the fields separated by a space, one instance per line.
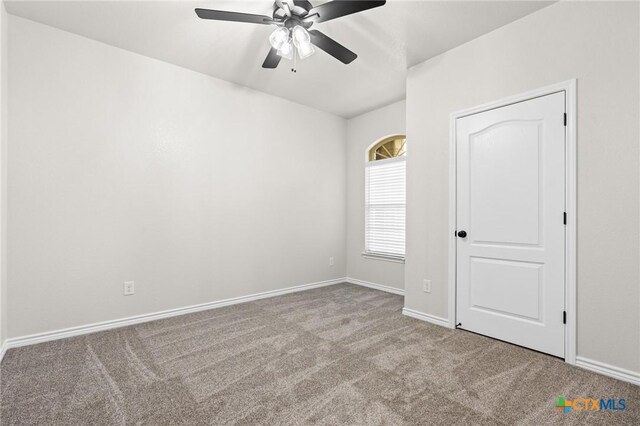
x=385 y=195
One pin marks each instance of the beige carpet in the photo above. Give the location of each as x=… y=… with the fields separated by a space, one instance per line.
x=336 y=355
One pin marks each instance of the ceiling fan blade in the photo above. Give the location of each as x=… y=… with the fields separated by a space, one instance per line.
x=305 y=4
x=337 y=8
x=222 y=15
x=272 y=60
x=332 y=47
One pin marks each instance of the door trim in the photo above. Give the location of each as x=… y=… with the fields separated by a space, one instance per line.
x=569 y=87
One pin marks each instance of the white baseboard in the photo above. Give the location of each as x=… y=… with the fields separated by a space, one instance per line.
x=426 y=317
x=32 y=339
x=3 y=350
x=588 y=364
x=608 y=370
x=375 y=286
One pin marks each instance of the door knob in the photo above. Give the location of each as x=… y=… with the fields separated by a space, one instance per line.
x=462 y=234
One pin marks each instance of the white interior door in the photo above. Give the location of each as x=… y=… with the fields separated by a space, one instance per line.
x=511 y=223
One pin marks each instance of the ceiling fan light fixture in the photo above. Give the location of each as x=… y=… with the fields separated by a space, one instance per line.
x=286 y=50
x=279 y=37
x=302 y=41
x=305 y=50
x=300 y=35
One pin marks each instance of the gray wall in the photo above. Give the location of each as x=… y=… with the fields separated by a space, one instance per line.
x=124 y=168
x=362 y=132
x=597 y=43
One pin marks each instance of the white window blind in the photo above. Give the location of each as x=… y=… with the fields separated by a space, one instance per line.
x=385 y=207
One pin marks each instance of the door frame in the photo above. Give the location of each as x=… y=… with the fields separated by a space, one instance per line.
x=569 y=87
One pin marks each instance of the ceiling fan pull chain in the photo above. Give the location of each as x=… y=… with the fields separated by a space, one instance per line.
x=295 y=56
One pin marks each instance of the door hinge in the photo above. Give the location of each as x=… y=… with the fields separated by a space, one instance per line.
x=455 y=233
x=564 y=217
x=564 y=317
x=565 y=118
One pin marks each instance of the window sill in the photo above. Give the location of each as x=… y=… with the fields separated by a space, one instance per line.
x=385 y=257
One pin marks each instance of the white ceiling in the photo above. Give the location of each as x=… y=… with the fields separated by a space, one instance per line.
x=387 y=40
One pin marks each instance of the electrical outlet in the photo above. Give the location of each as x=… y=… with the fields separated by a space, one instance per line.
x=129 y=288
x=426 y=286
x=331 y=262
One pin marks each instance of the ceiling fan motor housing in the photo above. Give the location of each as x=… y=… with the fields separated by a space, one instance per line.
x=298 y=13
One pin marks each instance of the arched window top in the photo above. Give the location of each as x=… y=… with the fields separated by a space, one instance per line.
x=391 y=147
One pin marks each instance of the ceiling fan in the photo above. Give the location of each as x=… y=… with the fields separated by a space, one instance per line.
x=293 y=19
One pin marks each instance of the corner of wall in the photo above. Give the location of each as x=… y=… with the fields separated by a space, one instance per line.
x=3 y=180
x=362 y=131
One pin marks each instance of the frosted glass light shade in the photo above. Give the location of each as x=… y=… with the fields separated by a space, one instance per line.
x=300 y=35
x=302 y=41
x=286 y=50
x=305 y=50
x=279 y=37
